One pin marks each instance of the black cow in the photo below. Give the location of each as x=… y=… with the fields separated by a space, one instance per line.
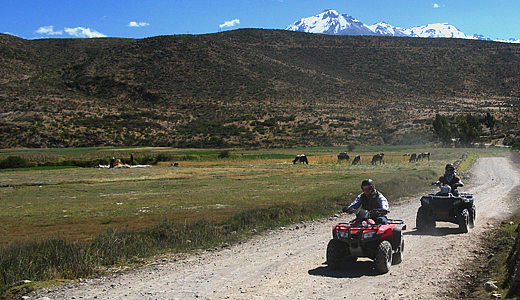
x=426 y=155
x=378 y=158
x=356 y=160
x=343 y=156
x=413 y=157
x=301 y=159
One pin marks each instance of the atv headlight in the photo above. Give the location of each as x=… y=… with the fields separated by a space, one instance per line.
x=369 y=235
x=343 y=234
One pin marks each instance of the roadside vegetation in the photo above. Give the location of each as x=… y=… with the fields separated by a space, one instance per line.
x=493 y=273
x=65 y=223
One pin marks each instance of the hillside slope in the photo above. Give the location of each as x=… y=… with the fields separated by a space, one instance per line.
x=247 y=87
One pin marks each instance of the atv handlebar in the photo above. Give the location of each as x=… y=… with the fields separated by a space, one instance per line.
x=378 y=212
x=375 y=213
x=348 y=210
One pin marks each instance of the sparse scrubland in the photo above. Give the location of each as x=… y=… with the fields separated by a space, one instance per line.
x=253 y=88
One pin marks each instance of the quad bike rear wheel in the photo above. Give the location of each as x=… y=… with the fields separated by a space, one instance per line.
x=464 y=220
x=383 y=259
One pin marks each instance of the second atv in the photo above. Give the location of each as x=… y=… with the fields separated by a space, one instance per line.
x=445 y=206
x=362 y=237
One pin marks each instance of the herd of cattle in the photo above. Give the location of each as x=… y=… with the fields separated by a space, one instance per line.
x=301 y=158
x=418 y=157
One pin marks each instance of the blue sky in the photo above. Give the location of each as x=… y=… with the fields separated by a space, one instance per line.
x=30 y=19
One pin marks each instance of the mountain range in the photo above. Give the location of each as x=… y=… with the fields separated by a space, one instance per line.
x=333 y=23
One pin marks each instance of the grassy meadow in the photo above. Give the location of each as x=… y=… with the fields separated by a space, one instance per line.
x=65 y=222
x=78 y=203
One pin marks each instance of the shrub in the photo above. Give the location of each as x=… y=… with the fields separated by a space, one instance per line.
x=224 y=154
x=12 y=162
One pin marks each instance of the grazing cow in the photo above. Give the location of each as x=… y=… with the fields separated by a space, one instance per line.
x=413 y=157
x=419 y=157
x=378 y=158
x=301 y=159
x=426 y=155
x=356 y=160
x=343 y=156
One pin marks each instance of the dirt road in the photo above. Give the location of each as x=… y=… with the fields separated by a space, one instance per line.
x=290 y=263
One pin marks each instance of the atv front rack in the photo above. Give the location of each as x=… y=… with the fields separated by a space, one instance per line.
x=356 y=230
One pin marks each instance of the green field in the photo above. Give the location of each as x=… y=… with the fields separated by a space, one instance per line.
x=79 y=203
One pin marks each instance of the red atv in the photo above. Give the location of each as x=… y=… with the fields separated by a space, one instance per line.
x=362 y=237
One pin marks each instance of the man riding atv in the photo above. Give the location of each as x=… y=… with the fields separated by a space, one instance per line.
x=369 y=200
x=450 y=178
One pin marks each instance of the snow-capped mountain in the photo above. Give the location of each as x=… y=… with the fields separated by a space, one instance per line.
x=436 y=30
x=383 y=28
x=331 y=22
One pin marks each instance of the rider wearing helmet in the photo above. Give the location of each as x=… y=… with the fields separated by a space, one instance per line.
x=370 y=199
x=450 y=178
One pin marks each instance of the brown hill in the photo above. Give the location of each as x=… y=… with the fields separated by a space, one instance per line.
x=249 y=87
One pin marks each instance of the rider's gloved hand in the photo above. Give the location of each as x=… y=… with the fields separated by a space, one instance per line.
x=348 y=210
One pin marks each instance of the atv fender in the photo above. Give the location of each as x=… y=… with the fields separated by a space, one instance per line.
x=397 y=236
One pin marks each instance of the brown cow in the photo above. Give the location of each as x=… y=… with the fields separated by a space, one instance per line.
x=378 y=158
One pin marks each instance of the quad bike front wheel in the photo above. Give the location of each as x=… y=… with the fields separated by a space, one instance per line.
x=336 y=251
x=383 y=259
x=423 y=221
x=397 y=257
x=472 y=216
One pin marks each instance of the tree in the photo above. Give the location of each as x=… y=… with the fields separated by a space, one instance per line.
x=442 y=129
x=12 y=162
x=470 y=129
x=490 y=121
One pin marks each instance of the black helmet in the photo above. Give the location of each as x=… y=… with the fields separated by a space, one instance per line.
x=449 y=166
x=367 y=182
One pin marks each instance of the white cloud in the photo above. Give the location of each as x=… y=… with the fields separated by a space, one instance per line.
x=49 y=30
x=83 y=32
x=435 y=5
x=230 y=23
x=138 y=24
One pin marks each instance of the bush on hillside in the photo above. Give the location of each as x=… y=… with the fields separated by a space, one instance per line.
x=13 y=162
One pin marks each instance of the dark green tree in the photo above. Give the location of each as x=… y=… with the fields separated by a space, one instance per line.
x=12 y=162
x=490 y=121
x=470 y=129
x=442 y=129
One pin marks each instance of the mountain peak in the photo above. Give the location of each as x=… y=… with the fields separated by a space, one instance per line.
x=331 y=22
